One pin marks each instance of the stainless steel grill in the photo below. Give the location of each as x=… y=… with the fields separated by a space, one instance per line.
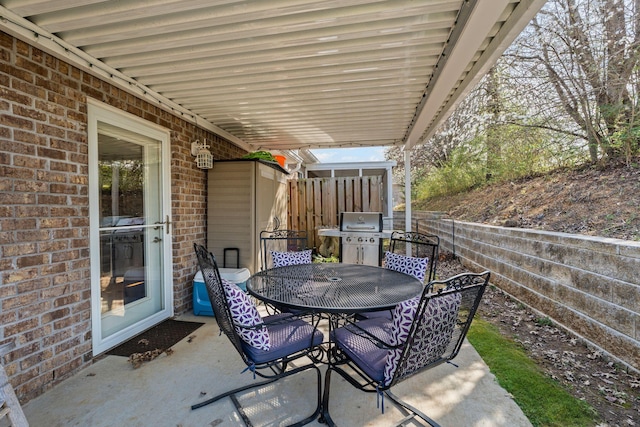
x=361 y=238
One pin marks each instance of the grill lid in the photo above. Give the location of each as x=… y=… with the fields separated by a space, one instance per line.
x=361 y=221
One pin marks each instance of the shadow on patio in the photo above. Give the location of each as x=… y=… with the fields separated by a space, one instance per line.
x=161 y=392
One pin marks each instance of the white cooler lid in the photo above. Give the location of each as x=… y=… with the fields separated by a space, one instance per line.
x=235 y=275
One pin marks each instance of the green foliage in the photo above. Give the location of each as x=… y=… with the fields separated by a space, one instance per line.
x=543 y=400
x=464 y=169
x=130 y=175
x=523 y=152
x=319 y=258
x=261 y=155
x=544 y=321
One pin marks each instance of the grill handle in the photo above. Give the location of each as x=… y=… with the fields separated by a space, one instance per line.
x=362 y=227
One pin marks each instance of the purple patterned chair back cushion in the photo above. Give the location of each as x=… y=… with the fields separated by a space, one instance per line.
x=245 y=313
x=282 y=259
x=413 y=266
x=438 y=324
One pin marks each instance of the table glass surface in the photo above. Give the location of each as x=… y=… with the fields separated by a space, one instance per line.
x=333 y=287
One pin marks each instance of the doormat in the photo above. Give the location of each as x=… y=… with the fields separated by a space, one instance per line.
x=160 y=337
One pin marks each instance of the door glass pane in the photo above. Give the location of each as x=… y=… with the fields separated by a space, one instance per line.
x=131 y=228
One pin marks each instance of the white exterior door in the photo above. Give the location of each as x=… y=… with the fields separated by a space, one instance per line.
x=129 y=171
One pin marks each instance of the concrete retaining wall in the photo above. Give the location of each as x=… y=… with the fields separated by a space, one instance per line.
x=589 y=285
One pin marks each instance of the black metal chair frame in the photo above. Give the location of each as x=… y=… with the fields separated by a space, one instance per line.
x=471 y=286
x=423 y=245
x=271 y=371
x=282 y=241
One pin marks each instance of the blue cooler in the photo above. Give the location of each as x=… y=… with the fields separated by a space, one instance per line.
x=201 y=303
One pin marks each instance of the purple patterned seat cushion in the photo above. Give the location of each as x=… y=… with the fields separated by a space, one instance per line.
x=438 y=323
x=364 y=352
x=413 y=266
x=244 y=313
x=282 y=259
x=286 y=338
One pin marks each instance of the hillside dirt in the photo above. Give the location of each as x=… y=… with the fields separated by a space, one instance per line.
x=591 y=201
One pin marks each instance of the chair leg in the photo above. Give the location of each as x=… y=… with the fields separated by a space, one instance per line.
x=412 y=410
x=325 y=418
x=239 y=390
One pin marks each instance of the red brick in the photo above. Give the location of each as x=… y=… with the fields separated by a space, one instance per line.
x=56 y=337
x=66 y=300
x=31 y=212
x=33 y=235
x=54 y=292
x=14 y=97
x=25 y=64
x=53 y=268
x=30 y=261
x=63 y=189
x=17 y=172
x=64 y=256
x=20 y=327
x=63 y=167
x=48 y=199
x=19 y=249
x=17 y=198
x=35 y=284
x=54 y=222
x=29 y=88
x=29 y=137
x=51 y=154
x=35 y=358
x=30 y=186
x=17 y=302
x=29 y=113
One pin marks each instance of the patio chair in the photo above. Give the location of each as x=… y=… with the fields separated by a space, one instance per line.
x=421 y=246
x=420 y=263
x=374 y=355
x=282 y=242
x=412 y=266
x=266 y=345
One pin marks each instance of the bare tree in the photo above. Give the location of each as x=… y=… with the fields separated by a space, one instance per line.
x=588 y=51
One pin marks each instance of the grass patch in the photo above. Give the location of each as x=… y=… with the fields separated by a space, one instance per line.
x=544 y=401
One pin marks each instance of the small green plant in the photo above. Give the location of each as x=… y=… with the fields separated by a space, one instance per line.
x=320 y=258
x=544 y=321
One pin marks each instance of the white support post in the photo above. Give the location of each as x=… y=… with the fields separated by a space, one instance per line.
x=407 y=190
x=407 y=196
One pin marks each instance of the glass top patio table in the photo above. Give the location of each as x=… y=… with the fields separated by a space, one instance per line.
x=333 y=287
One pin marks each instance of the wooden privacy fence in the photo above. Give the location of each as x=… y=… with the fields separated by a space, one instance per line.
x=315 y=203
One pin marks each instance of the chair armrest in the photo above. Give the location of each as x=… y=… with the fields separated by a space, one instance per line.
x=276 y=319
x=361 y=332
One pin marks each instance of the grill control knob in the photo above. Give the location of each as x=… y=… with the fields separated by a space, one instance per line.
x=348 y=239
x=360 y=239
x=372 y=240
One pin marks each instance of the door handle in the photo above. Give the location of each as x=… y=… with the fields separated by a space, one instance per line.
x=156 y=239
x=159 y=223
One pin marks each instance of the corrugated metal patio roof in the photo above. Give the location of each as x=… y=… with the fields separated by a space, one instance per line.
x=285 y=74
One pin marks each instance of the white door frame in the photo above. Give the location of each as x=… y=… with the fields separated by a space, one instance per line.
x=100 y=112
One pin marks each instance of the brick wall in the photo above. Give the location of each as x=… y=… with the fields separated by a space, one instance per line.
x=589 y=285
x=45 y=300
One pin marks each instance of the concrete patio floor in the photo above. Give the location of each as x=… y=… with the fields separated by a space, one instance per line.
x=161 y=392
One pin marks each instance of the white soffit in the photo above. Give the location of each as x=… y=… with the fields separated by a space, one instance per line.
x=285 y=74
